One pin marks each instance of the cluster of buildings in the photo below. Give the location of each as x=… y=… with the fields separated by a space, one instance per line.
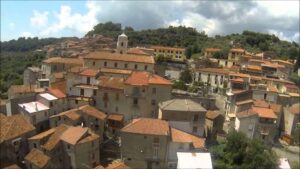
x=71 y=109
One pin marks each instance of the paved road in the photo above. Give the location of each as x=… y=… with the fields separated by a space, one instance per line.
x=292 y=157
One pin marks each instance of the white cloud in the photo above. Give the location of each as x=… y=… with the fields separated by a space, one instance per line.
x=210 y=26
x=26 y=34
x=39 y=19
x=74 y=21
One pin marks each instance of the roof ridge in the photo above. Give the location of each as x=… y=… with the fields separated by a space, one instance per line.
x=11 y=122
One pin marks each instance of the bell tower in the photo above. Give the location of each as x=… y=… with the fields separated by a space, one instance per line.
x=122 y=43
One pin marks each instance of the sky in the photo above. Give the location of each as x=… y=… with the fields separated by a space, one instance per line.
x=75 y=18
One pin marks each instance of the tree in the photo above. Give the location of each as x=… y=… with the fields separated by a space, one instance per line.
x=180 y=85
x=242 y=153
x=188 y=52
x=186 y=76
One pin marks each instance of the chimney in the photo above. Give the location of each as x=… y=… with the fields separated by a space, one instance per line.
x=36 y=107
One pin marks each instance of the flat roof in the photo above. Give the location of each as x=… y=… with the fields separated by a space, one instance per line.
x=48 y=96
x=194 y=160
x=284 y=163
x=33 y=107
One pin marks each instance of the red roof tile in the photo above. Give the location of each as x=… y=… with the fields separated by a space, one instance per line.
x=179 y=136
x=147 y=126
x=146 y=78
x=120 y=57
x=56 y=92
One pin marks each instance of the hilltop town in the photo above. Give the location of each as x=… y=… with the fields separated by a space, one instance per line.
x=99 y=103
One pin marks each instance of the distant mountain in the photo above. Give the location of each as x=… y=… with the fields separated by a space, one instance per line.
x=190 y=38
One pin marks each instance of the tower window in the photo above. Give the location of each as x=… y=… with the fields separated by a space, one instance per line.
x=122 y=44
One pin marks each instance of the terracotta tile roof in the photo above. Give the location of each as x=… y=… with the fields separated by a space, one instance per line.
x=212 y=49
x=167 y=48
x=237 y=50
x=246 y=113
x=37 y=158
x=54 y=139
x=115 y=71
x=67 y=61
x=272 y=65
x=147 y=126
x=256 y=77
x=136 y=51
x=60 y=85
x=264 y=112
x=146 y=78
x=111 y=83
x=239 y=75
x=71 y=114
x=89 y=72
x=43 y=134
x=236 y=92
x=261 y=103
x=179 y=136
x=13 y=126
x=272 y=88
x=56 y=92
x=291 y=86
x=73 y=134
x=86 y=86
x=277 y=108
x=283 y=61
x=117 y=165
x=99 y=167
x=92 y=111
x=254 y=67
x=244 y=102
x=120 y=57
x=116 y=117
x=237 y=80
x=212 y=114
x=295 y=109
x=214 y=70
x=14 y=166
x=90 y=137
x=278 y=80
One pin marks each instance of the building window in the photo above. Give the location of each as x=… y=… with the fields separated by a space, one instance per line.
x=135 y=101
x=105 y=64
x=81 y=92
x=146 y=67
x=117 y=109
x=76 y=101
x=125 y=65
x=153 y=102
x=45 y=114
x=69 y=147
x=117 y=96
x=94 y=92
x=135 y=66
x=51 y=104
x=34 y=145
x=196 y=117
x=153 y=90
x=116 y=65
x=122 y=44
x=265 y=96
x=194 y=129
x=105 y=96
x=88 y=80
x=94 y=63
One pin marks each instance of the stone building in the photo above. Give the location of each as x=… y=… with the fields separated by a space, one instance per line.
x=64 y=147
x=183 y=114
x=14 y=132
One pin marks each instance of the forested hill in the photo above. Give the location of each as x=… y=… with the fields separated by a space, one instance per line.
x=197 y=41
